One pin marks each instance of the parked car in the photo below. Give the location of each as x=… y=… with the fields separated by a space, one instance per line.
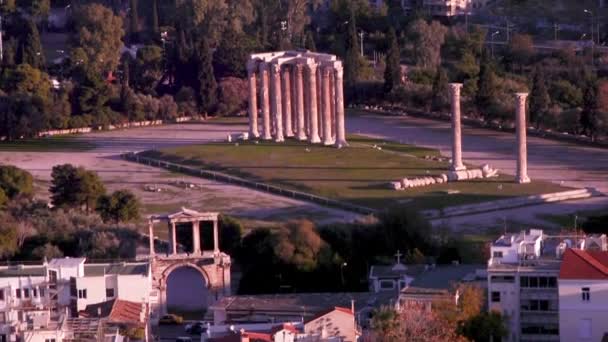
x=196 y=328
x=183 y=339
x=171 y=319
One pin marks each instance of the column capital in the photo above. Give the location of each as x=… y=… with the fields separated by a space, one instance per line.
x=275 y=68
x=299 y=68
x=263 y=66
x=339 y=71
x=521 y=96
x=252 y=66
x=326 y=70
x=455 y=86
x=312 y=67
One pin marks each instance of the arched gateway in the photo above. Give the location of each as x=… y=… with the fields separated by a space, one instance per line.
x=213 y=265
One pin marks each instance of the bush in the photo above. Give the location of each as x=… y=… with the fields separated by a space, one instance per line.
x=232 y=101
x=16 y=182
x=186 y=101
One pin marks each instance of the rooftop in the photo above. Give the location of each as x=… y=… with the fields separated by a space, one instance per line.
x=66 y=262
x=581 y=264
x=97 y=270
x=444 y=276
x=22 y=271
x=510 y=239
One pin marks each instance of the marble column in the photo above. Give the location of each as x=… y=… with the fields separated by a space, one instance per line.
x=216 y=239
x=151 y=235
x=319 y=102
x=326 y=105
x=287 y=113
x=173 y=235
x=339 y=88
x=313 y=136
x=265 y=101
x=196 y=238
x=299 y=99
x=522 y=147
x=276 y=102
x=332 y=97
x=457 y=164
x=253 y=100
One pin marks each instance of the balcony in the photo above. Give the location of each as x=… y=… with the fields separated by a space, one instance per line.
x=539 y=317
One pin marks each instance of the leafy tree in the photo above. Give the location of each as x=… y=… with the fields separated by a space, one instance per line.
x=487 y=86
x=26 y=79
x=48 y=251
x=3 y=199
x=8 y=236
x=590 y=107
x=207 y=85
x=120 y=206
x=30 y=49
x=540 y=100
x=392 y=73
x=148 y=68
x=521 y=49
x=309 y=42
x=16 y=182
x=485 y=326
x=231 y=55
x=300 y=245
x=73 y=187
x=440 y=90
x=231 y=232
x=427 y=40
x=133 y=21
x=98 y=38
x=386 y=324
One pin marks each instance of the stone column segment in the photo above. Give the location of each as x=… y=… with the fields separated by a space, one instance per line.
x=299 y=98
x=287 y=112
x=276 y=105
x=332 y=97
x=196 y=237
x=326 y=105
x=457 y=164
x=522 y=147
x=253 y=99
x=312 y=105
x=173 y=238
x=339 y=88
x=265 y=101
x=151 y=235
x=319 y=102
x=216 y=240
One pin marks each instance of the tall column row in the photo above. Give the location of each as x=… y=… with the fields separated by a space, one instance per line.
x=302 y=100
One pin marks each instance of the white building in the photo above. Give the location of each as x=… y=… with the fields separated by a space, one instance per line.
x=583 y=296
x=523 y=273
x=41 y=300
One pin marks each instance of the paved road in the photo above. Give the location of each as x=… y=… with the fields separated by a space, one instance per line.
x=559 y=162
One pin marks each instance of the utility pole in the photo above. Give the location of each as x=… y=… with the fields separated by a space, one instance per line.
x=555 y=29
x=361 y=34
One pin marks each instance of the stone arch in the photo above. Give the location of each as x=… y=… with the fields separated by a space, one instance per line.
x=167 y=271
x=165 y=290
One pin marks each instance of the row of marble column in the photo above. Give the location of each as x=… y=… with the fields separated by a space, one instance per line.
x=302 y=101
x=520 y=128
x=196 y=238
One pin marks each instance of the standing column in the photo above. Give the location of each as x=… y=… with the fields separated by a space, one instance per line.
x=319 y=102
x=326 y=106
x=286 y=83
x=457 y=164
x=276 y=104
x=332 y=98
x=216 y=239
x=265 y=102
x=313 y=136
x=196 y=237
x=253 y=100
x=522 y=147
x=151 y=235
x=173 y=238
x=299 y=98
x=340 y=129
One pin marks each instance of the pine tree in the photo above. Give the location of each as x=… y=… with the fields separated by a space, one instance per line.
x=134 y=22
x=30 y=49
x=155 y=27
x=440 y=89
x=590 y=108
x=351 y=60
x=539 y=98
x=392 y=72
x=486 y=86
x=207 y=89
x=309 y=42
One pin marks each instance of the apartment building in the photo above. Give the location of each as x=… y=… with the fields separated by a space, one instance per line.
x=583 y=296
x=523 y=273
x=45 y=299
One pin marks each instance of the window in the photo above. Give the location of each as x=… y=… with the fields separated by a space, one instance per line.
x=26 y=293
x=34 y=293
x=3 y=338
x=586 y=294
x=552 y=281
x=1 y=294
x=18 y=293
x=82 y=293
x=503 y=279
x=73 y=290
x=523 y=281
x=49 y=340
x=497 y=254
x=495 y=296
x=109 y=293
x=2 y=318
x=386 y=284
x=542 y=282
x=584 y=328
x=42 y=293
x=533 y=282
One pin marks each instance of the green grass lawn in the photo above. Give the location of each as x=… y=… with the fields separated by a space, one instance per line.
x=358 y=174
x=50 y=144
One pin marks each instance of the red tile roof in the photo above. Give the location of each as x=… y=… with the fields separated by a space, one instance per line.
x=127 y=312
x=285 y=326
x=580 y=264
x=323 y=313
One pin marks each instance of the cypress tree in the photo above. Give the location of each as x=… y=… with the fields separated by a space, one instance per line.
x=539 y=98
x=351 y=60
x=309 y=42
x=207 y=89
x=440 y=89
x=155 y=27
x=134 y=21
x=392 y=72
x=30 y=48
x=590 y=108
x=486 y=86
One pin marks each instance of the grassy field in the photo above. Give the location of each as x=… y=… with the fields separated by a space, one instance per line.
x=51 y=144
x=358 y=174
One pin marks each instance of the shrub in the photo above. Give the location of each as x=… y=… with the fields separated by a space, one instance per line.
x=232 y=101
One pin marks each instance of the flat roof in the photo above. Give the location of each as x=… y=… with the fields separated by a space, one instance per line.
x=22 y=271
x=442 y=277
x=97 y=270
x=66 y=262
